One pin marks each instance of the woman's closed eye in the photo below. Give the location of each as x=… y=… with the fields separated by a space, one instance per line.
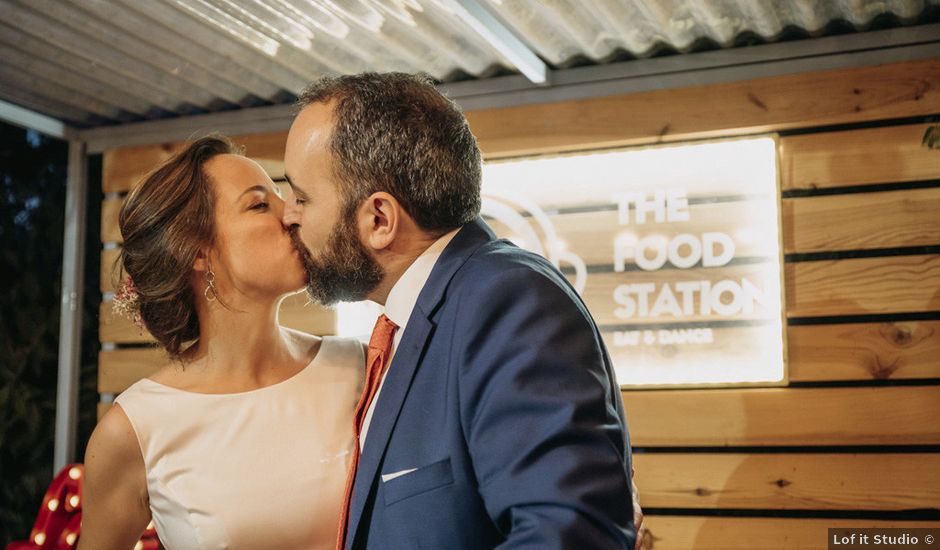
x=259 y=206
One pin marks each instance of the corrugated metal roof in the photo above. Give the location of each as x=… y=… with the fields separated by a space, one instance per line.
x=97 y=62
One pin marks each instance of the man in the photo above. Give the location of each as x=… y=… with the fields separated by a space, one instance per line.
x=491 y=417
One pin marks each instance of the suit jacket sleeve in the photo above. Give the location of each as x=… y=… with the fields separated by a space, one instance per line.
x=539 y=409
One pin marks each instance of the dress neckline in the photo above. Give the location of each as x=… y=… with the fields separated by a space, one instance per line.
x=293 y=377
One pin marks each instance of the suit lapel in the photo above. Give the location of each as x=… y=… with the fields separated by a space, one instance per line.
x=405 y=363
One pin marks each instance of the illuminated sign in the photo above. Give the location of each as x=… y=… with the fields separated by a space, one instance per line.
x=675 y=250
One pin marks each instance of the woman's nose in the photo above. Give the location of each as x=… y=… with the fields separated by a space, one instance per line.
x=277 y=206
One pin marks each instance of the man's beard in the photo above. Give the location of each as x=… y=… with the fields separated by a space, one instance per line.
x=344 y=271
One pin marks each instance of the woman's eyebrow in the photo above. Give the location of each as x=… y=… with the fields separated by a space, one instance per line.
x=259 y=187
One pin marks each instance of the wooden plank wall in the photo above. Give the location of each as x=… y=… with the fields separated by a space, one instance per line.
x=854 y=440
x=736 y=468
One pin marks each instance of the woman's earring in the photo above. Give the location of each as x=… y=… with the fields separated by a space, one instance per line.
x=210 y=293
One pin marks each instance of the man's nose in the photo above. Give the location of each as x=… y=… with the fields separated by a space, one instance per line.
x=291 y=215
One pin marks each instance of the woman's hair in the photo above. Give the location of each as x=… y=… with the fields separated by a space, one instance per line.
x=165 y=222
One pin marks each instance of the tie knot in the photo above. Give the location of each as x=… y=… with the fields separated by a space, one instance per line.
x=383 y=334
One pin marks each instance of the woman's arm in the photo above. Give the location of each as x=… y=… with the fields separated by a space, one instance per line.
x=115 y=509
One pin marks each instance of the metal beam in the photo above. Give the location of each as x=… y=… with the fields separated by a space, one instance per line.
x=70 y=320
x=19 y=116
x=678 y=71
x=502 y=39
x=573 y=88
x=238 y=122
x=807 y=50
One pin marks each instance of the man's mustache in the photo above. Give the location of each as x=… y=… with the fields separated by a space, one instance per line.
x=294 y=233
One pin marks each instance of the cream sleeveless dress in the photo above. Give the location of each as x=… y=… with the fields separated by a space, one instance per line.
x=262 y=469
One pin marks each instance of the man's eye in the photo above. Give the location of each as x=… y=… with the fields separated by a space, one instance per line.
x=299 y=200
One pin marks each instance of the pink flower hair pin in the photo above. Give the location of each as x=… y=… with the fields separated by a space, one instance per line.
x=126 y=303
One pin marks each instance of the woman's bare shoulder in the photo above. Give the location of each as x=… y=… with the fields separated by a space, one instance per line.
x=115 y=500
x=114 y=442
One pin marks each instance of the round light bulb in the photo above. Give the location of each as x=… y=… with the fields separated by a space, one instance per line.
x=53 y=505
x=75 y=473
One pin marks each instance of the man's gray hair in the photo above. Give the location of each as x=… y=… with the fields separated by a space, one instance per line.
x=397 y=133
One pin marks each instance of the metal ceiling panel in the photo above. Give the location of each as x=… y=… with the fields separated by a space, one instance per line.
x=100 y=62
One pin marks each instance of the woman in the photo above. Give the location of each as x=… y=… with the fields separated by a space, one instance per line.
x=243 y=439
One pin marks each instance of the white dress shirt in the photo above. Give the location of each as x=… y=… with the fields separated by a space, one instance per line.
x=399 y=305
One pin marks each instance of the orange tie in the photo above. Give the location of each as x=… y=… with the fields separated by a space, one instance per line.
x=380 y=347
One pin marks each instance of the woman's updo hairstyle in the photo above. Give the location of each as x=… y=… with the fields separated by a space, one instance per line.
x=165 y=222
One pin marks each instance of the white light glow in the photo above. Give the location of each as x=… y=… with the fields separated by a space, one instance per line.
x=685 y=240
x=357 y=319
x=230 y=25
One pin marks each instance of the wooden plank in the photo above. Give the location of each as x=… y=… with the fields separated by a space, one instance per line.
x=294 y=313
x=102 y=409
x=896 y=284
x=601 y=287
x=119 y=368
x=267 y=150
x=107 y=271
x=593 y=235
x=857 y=157
x=819 y=288
x=272 y=163
x=116 y=329
x=298 y=312
x=902 y=350
x=791 y=481
x=730 y=533
x=862 y=221
x=110 y=227
x=695 y=355
x=761 y=105
x=124 y=168
x=864 y=351
x=895 y=415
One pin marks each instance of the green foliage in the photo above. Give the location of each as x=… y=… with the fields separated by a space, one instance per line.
x=32 y=185
x=32 y=203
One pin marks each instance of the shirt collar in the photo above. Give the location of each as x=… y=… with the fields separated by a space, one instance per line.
x=404 y=294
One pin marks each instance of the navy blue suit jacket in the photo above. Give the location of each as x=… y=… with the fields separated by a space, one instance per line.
x=501 y=397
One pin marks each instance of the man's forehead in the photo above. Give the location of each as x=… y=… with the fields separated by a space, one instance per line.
x=312 y=128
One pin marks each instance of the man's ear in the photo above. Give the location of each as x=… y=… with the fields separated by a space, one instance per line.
x=380 y=218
